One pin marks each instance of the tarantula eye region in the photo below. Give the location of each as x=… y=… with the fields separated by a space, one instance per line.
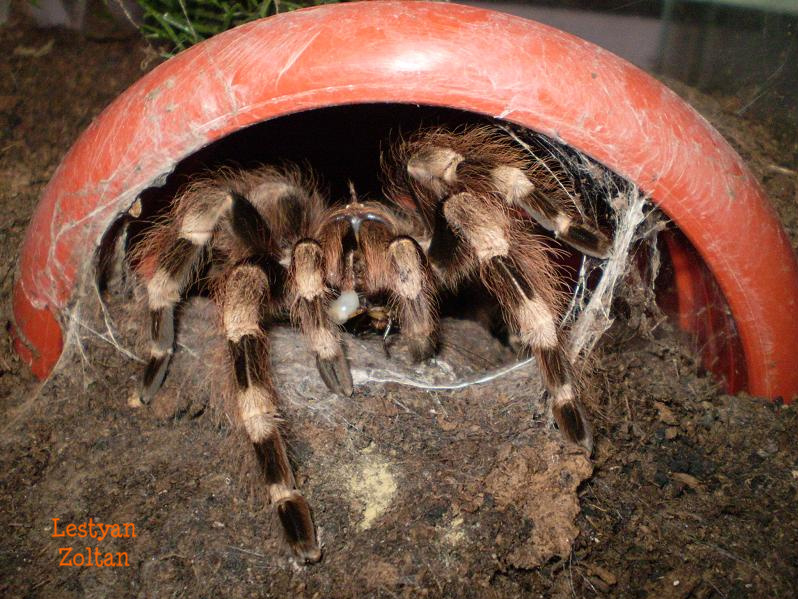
x=344 y=307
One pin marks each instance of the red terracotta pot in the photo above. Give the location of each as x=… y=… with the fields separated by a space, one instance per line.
x=439 y=55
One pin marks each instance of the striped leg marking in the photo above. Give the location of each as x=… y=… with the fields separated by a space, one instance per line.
x=245 y=295
x=486 y=231
x=413 y=290
x=174 y=272
x=439 y=169
x=309 y=308
x=176 y=267
x=537 y=329
x=517 y=190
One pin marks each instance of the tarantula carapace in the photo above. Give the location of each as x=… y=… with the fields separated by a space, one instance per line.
x=456 y=208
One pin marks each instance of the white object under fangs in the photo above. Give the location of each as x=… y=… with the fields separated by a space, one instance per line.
x=343 y=307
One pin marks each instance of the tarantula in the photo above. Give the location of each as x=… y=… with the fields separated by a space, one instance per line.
x=454 y=210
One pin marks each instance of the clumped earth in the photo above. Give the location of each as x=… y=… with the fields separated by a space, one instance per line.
x=691 y=492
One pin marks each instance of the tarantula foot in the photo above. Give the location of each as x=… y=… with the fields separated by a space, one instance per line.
x=422 y=349
x=294 y=514
x=134 y=399
x=153 y=377
x=336 y=374
x=573 y=424
x=586 y=240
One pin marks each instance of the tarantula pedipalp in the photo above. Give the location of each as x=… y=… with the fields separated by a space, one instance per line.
x=270 y=245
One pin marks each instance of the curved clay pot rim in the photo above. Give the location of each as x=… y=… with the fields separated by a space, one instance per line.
x=420 y=53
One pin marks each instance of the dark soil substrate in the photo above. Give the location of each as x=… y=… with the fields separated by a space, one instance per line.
x=444 y=494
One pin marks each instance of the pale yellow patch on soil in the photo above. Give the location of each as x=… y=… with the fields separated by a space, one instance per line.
x=454 y=533
x=373 y=486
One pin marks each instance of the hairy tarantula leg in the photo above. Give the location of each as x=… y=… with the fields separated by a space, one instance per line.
x=526 y=307
x=162 y=333
x=246 y=294
x=518 y=190
x=309 y=308
x=412 y=286
x=163 y=293
x=250 y=227
x=435 y=168
x=398 y=265
x=439 y=170
x=174 y=271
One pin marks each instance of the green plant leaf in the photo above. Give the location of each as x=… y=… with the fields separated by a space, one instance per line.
x=182 y=23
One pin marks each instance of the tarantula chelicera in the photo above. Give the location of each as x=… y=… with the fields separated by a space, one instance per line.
x=457 y=207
